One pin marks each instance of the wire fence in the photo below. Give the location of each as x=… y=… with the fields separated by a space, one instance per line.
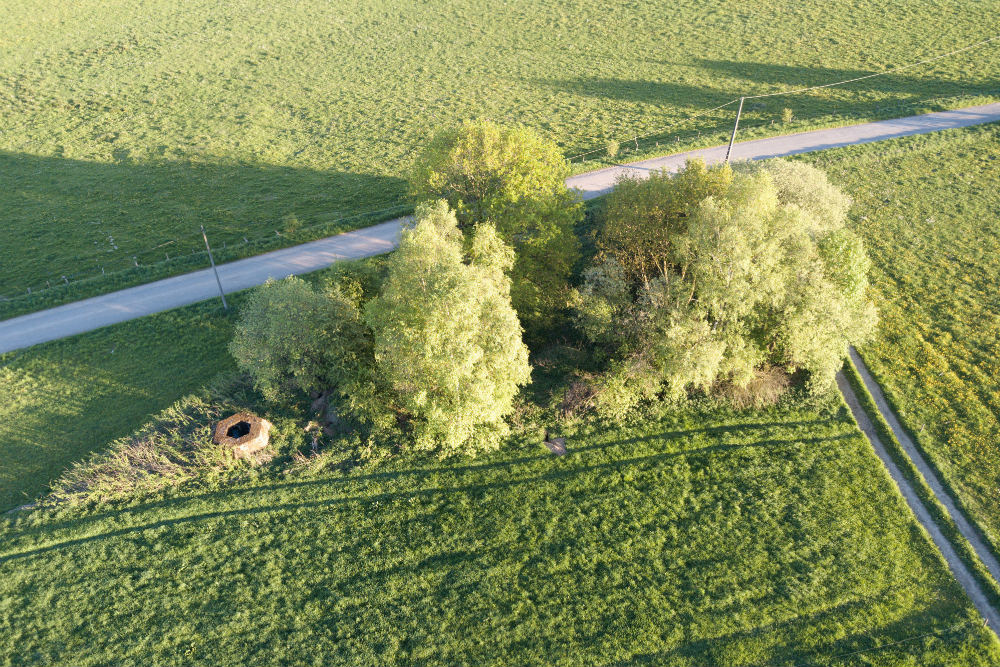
x=190 y=251
x=175 y=254
x=949 y=634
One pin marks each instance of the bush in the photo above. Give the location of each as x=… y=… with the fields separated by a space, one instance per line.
x=708 y=280
x=447 y=343
x=513 y=180
x=650 y=215
x=612 y=148
x=292 y=337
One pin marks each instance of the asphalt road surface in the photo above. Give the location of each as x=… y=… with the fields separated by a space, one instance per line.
x=101 y=311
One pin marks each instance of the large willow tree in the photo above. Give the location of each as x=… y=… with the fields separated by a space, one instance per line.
x=447 y=343
x=435 y=359
x=513 y=180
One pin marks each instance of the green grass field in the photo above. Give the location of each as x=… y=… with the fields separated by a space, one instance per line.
x=929 y=210
x=65 y=399
x=710 y=537
x=123 y=127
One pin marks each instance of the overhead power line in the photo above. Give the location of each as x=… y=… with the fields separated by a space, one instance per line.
x=802 y=90
x=869 y=76
x=664 y=129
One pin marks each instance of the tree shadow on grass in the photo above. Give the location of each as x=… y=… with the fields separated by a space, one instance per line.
x=476 y=488
x=791 y=77
x=717 y=650
x=73 y=217
x=876 y=97
x=662 y=93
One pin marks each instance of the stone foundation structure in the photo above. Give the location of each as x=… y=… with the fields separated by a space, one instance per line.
x=244 y=434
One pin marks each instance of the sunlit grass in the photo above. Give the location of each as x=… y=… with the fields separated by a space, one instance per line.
x=929 y=210
x=60 y=401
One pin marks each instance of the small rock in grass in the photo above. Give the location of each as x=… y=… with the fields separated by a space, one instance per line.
x=556 y=445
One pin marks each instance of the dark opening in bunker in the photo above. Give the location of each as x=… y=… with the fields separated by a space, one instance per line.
x=238 y=430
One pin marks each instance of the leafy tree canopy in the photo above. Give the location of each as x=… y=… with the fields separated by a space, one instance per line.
x=438 y=350
x=714 y=276
x=447 y=342
x=292 y=337
x=514 y=180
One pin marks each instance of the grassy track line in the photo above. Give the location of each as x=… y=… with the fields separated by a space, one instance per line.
x=964 y=526
x=958 y=568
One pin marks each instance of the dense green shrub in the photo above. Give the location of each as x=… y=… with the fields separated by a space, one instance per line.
x=708 y=278
x=448 y=347
x=292 y=337
x=514 y=180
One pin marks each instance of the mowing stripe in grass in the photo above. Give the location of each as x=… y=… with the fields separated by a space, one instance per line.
x=958 y=568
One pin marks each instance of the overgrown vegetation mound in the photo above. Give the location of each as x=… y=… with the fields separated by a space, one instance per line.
x=714 y=278
x=174 y=447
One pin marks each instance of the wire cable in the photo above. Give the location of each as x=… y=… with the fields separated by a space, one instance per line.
x=869 y=76
x=664 y=129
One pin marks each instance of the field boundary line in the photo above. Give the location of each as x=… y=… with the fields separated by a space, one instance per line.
x=963 y=575
x=966 y=527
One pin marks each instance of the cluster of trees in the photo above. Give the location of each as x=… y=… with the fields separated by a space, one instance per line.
x=710 y=279
x=437 y=355
x=713 y=279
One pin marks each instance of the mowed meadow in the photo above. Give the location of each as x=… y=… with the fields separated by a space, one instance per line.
x=706 y=537
x=689 y=535
x=125 y=126
x=929 y=211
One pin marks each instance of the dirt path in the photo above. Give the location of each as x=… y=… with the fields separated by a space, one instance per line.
x=964 y=525
x=955 y=564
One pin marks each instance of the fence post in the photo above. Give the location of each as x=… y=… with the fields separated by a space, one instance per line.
x=732 y=139
x=225 y=306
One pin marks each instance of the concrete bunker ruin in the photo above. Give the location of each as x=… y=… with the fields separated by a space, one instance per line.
x=244 y=434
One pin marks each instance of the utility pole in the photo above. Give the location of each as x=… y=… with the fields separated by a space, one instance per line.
x=732 y=139
x=211 y=259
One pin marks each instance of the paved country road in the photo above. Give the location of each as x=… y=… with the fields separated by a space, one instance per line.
x=100 y=311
